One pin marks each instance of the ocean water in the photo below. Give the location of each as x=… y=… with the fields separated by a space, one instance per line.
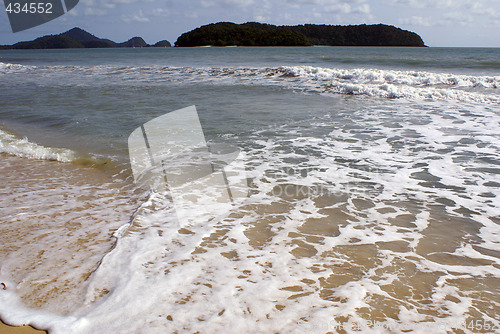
x=373 y=200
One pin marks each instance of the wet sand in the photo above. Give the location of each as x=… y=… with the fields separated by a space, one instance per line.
x=6 y=329
x=57 y=224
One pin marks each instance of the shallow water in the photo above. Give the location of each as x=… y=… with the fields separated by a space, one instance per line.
x=373 y=185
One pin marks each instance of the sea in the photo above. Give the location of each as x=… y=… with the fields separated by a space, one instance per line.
x=372 y=200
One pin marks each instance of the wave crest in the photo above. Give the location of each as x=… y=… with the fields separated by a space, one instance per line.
x=409 y=85
x=409 y=78
x=13 y=145
x=7 y=67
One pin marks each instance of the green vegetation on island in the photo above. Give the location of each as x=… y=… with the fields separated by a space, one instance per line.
x=258 y=34
x=79 y=38
x=247 y=34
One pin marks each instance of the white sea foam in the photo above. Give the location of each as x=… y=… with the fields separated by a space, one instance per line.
x=57 y=224
x=7 y=67
x=13 y=145
x=391 y=213
x=408 y=78
x=389 y=83
x=408 y=85
x=296 y=262
x=15 y=313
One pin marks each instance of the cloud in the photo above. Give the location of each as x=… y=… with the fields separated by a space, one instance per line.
x=343 y=8
x=321 y=2
x=346 y=8
x=450 y=12
x=227 y=3
x=479 y=8
x=424 y=3
x=326 y=4
x=456 y=18
x=101 y=7
x=160 y=12
x=489 y=8
x=94 y=11
x=138 y=17
x=416 y=21
x=326 y=11
x=363 y=9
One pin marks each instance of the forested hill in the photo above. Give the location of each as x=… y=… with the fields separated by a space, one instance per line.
x=248 y=34
x=79 y=38
x=259 y=34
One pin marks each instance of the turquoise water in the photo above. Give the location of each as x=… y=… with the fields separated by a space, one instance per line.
x=373 y=173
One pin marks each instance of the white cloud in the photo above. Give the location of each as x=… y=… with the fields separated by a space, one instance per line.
x=416 y=21
x=479 y=8
x=449 y=12
x=95 y=11
x=102 y=8
x=343 y=8
x=326 y=11
x=138 y=17
x=456 y=18
x=425 y=3
x=237 y=3
x=127 y=1
x=363 y=9
x=160 y=12
x=227 y=3
x=346 y=8
x=321 y=2
x=260 y=18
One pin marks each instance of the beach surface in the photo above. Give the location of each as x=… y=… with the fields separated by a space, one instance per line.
x=6 y=329
x=373 y=179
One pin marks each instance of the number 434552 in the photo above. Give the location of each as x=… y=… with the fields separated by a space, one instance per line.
x=29 y=8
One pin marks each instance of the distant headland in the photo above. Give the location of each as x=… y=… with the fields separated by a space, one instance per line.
x=246 y=34
x=79 y=38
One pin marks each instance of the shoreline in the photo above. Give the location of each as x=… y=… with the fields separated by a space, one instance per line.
x=26 y=329
x=297 y=46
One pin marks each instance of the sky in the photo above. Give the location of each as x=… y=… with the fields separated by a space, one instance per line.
x=440 y=23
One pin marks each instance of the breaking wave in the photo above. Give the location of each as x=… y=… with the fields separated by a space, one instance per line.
x=13 y=145
x=409 y=85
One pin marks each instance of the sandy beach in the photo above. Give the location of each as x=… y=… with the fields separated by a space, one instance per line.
x=373 y=177
x=6 y=329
